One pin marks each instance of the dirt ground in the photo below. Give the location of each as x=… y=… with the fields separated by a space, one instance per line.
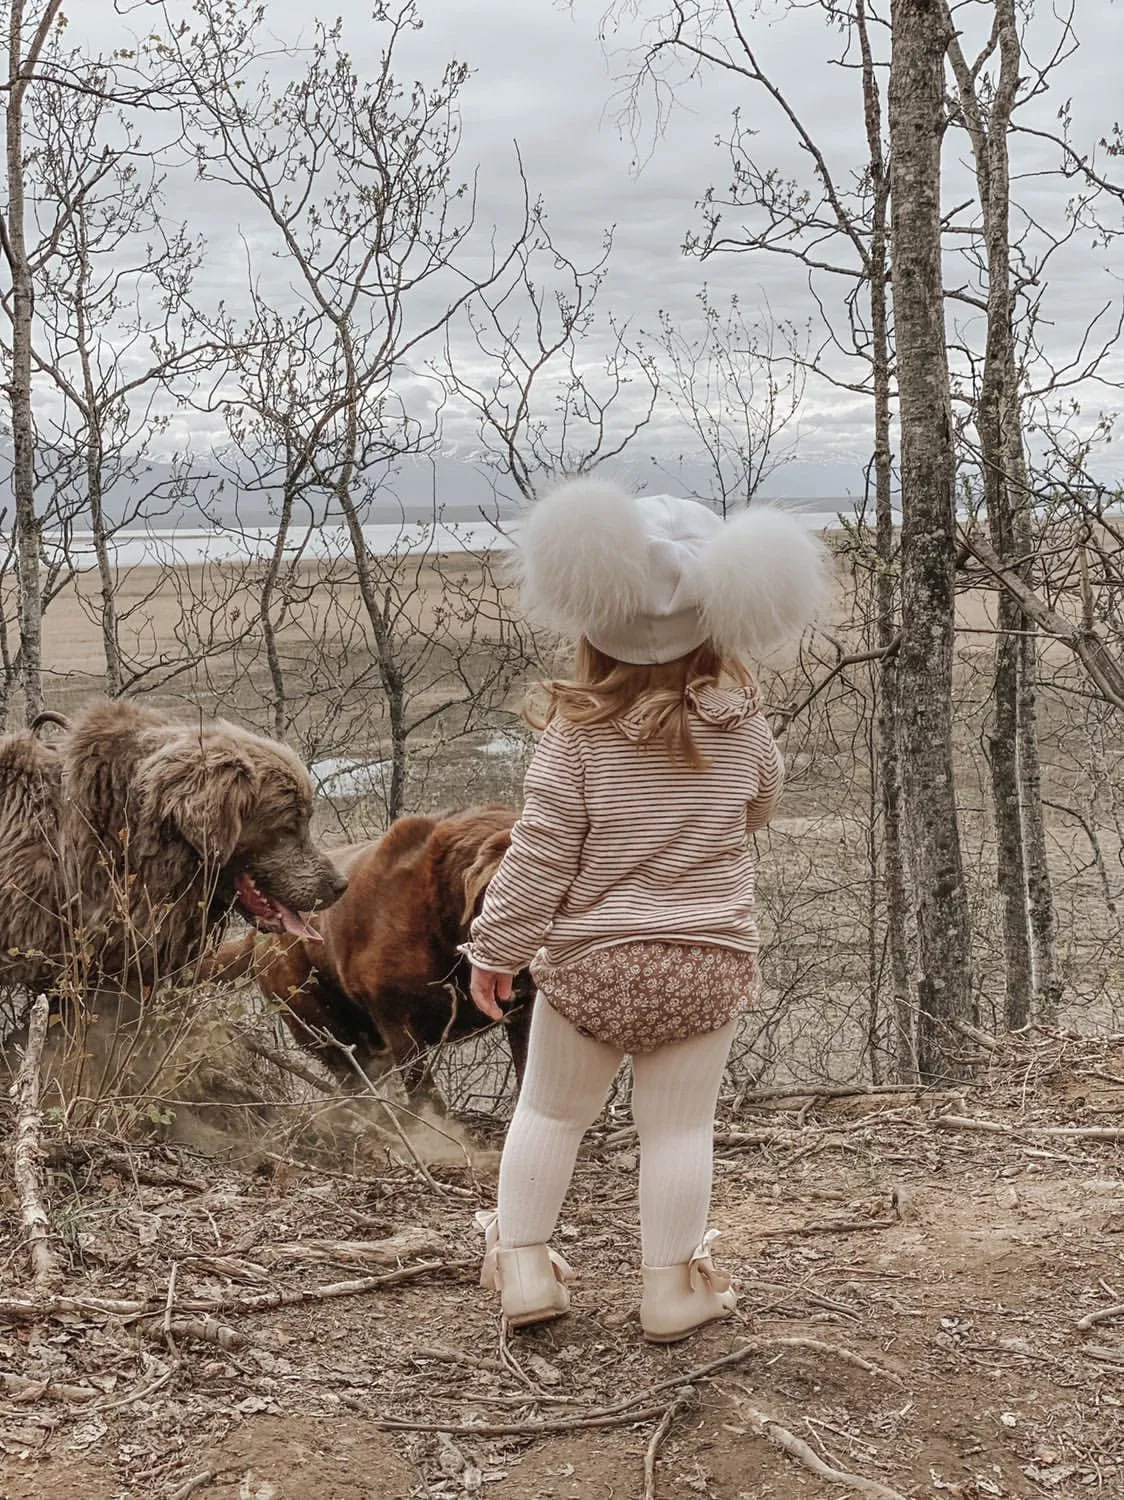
x=931 y=1305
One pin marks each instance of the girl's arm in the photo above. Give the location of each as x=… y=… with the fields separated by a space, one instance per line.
x=524 y=895
x=770 y=779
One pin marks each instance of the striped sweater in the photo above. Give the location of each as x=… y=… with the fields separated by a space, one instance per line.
x=618 y=842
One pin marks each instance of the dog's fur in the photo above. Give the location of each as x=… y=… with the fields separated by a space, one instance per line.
x=387 y=979
x=123 y=842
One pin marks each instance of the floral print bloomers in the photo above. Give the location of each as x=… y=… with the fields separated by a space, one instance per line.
x=640 y=996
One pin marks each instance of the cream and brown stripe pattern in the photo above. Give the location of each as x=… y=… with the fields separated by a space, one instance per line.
x=618 y=842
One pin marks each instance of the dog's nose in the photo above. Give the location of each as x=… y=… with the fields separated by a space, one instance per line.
x=337 y=884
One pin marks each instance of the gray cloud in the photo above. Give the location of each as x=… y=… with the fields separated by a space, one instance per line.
x=542 y=77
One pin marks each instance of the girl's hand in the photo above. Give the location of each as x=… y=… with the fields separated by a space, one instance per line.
x=487 y=988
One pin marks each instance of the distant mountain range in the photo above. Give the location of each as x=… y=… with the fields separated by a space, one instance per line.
x=461 y=490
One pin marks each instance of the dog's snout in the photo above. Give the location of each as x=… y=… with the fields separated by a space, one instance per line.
x=336 y=884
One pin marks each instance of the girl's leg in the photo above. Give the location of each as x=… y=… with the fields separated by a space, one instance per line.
x=674 y=1094
x=564 y=1088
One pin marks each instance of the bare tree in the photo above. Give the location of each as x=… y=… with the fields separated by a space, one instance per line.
x=114 y=334
x=540 y=405
x=736 y=385
x=29 y=30
x=834 y=225
x=929 y=547
x=355 y=181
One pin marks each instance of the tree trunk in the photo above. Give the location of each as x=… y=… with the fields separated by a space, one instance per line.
x=111 y=643
x=919 y=39
x=1040 y=886
x=27 y=526
x=1006 y=794
x=1013 y=747
x=887 y=754
x=280 y=704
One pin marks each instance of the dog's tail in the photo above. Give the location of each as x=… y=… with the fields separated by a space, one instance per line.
x=230 y=961
x=48 y=716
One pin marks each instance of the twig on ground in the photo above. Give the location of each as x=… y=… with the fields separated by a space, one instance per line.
x=166 y=1321
x=407 y=1244
x=29 y=1389
x=1102 y=1315
x=982 y=1038
x=629 y=1408
x=837 y=1226
x=1108 y=1355
x=189 y=1486
x=290 y=1065
x=834 y=1351
x=444 y=1188
x=317 y=1169
x=1054 y=1132
x=26 y=1309
x=754 y=1097
x=511 y=1362
x=87 y=1153
x=27 y=1151
x=626 y=1417
x=138 y=1395
x=208 y=1331
x=796 y=1448
x=966 y=1122
x=683 y=1399
x=447 y=1356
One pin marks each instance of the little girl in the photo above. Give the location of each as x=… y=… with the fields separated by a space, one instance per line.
x=628 y=887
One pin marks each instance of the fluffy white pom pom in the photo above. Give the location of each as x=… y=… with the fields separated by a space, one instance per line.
x=761 y=581
x=582 y=557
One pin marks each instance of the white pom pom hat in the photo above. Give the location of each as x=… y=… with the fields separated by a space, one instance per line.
x=648 y=578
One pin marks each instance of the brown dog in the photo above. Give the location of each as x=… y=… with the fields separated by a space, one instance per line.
x=387 y=980
x=126 y=843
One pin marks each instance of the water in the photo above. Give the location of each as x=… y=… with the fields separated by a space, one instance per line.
x=186 y=546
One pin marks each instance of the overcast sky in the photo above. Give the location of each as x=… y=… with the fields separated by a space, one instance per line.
x=549 y=75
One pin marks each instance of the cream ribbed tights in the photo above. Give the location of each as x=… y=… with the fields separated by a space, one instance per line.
x=674 y=1094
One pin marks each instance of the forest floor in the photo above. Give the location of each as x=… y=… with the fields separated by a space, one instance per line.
x=932 y=1304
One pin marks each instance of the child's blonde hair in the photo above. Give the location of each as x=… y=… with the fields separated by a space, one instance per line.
x=603 y=688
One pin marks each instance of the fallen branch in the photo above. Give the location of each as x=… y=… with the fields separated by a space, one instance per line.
x=426 y=1175
x=189 y=1486
x=1105 y=671
x=27 y=1152
x=407 y=1244
x=290 y=1065
x=796 y=1448
x=627 y=1417
x=206 y=1331
x=31 y=1390
x=966 y=1122
x=833 y=1351
x=835 y=1091
x=684 y=1398
x=26 y=1309
x=1053 y=1132
x=778 y=1137
x=829 y=1226
x=629 y=1408
x=981 y=1038
x=1109 y=1356
x=1102 y=1315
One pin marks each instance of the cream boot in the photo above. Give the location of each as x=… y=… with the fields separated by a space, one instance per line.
x=679 y=1299
x=531 y=1279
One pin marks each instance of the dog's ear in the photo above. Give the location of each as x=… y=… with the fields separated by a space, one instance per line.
x=204 y=788
x=481 y=870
